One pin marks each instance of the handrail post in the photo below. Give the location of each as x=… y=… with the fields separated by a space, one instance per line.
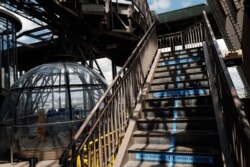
x=183 y=39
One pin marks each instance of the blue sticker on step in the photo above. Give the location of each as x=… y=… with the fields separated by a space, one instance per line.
x=175 y=93
x=182 y=60
x=175 y=158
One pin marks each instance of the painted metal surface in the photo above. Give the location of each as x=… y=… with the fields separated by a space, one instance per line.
x=175 y=158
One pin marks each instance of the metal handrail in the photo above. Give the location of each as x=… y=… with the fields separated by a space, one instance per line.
x=191 y=37
x=107 y=122
x=234 y=119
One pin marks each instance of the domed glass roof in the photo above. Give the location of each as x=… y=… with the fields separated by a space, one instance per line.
x=48 y=103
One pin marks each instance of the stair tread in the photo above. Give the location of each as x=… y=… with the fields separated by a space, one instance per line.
x=176 y=149
x=160 y=164
x=183 y=69
x=183 y=51
x=177 y=92
x=179 y=56
x=161 y=67
x=181 y=74
x=200 y=57
x=180 y=107
x=177 y=98
x=161 y=119
x=177 y=132
x=170 y=82
x=185 y=88
x=173 y=54
x=180 y=63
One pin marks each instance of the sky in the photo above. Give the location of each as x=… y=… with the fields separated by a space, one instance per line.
x=161 y=6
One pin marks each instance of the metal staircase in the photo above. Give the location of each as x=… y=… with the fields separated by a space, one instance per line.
x=173 y=109
x=177 y=124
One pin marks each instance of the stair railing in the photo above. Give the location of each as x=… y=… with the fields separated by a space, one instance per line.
x=97 y=140
x=233 y=117
x=191 y=37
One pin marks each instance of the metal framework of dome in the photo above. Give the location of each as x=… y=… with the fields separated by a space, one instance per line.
x=47 y=104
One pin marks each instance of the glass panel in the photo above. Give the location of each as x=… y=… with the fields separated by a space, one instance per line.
x=74 y=79
x=44 y=137
x=54 y=101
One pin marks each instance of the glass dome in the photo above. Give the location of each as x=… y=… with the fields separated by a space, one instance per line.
x=47 y=104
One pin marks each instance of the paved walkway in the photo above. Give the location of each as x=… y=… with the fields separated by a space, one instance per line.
x=48 y=163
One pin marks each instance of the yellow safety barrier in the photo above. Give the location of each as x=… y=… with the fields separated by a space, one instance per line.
x=85 y=158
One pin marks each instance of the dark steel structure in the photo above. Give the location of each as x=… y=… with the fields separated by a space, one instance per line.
x=9 y=26
x=126 y=32
x=82 y=27
x=232 y=18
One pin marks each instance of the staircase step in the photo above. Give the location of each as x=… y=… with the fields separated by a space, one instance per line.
x=176 y=124
x=180 y=78
x=183 y=84
x=178 y=101
x=181 y=71
x=179 y=56
x=176 y=68
x=182 y=63
x=180 y=66
x=186 y=51
x=169 y=148
x=188 y=81
x=161 y=164
x=178 y=61
x=180 y=92
x=174 y=154
x=185 y=111
x=179 y=137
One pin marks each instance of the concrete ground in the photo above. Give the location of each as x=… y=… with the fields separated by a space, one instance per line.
x=48 y=163
x=5 y=162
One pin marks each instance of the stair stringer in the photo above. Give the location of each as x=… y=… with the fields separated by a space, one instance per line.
x=122 y=157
